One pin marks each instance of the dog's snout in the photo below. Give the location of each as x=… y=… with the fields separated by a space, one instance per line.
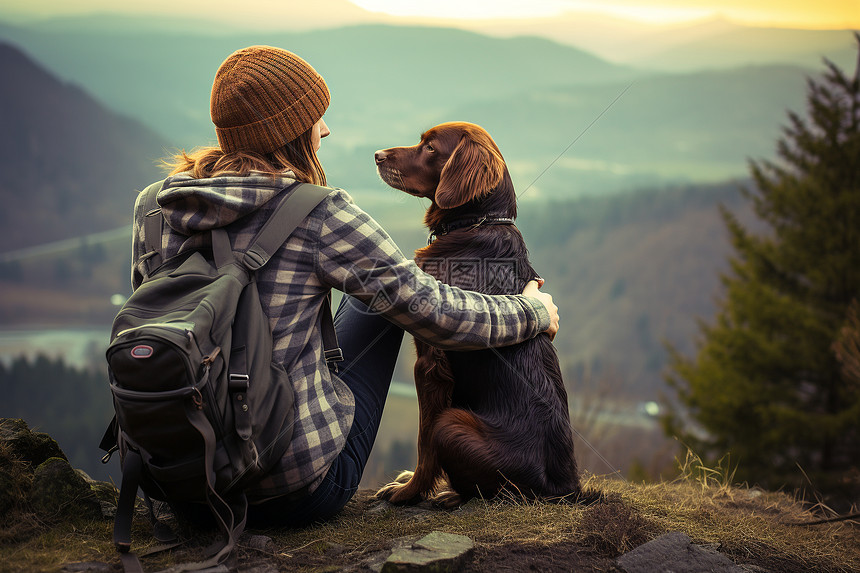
x=380 y=156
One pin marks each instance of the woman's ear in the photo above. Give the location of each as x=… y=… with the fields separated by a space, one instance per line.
x=472 y=170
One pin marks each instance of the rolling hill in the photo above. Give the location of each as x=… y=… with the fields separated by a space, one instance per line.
x=632 y=272
x=70 y=167
x=375 y=72
x=727 y=45
x=697 y=127
x=391 y=83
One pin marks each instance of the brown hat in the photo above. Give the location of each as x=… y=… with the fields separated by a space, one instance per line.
x=264 y=97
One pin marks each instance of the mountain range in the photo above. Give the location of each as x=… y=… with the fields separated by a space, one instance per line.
x=712 y=41
x=718 y=44
x=578 y=123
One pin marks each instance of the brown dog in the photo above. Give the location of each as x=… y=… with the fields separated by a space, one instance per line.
x=488 y=418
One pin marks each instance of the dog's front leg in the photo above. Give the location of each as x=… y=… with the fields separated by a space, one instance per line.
x=434 y=384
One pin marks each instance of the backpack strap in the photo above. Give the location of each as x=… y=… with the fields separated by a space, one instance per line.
x=331 y=348
x=293 y=209
x=288 y=215
x=152 y=227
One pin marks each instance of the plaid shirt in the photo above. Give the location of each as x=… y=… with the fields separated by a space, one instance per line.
x=337 y=246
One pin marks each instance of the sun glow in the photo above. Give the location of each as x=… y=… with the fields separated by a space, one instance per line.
x=462 y=9
x=800 y=14
x=508 y=9
x=651 y=13
x=833 y=14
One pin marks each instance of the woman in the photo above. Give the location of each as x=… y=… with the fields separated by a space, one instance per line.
x=267 y=105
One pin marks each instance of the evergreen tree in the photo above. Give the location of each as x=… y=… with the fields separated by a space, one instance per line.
x=767 y=384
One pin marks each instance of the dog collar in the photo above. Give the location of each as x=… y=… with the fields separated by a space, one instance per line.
x=471 y=222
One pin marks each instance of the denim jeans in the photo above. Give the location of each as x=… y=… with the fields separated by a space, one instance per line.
x=370 y=345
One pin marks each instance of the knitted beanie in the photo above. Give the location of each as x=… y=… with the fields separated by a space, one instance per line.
x=264 y=97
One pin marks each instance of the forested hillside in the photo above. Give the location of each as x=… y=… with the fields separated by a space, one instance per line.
x=631 y=272
x=69 y=165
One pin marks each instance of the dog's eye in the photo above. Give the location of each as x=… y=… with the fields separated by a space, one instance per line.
x=429 y=148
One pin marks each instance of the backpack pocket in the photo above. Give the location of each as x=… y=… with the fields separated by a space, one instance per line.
x=165 y=439
x=157 y=388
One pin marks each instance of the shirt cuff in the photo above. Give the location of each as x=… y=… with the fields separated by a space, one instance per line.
x=539 y=313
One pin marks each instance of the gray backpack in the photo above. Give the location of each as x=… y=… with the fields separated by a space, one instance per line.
x=201 y=411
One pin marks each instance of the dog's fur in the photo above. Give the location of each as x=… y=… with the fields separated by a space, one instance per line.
x=493 y=418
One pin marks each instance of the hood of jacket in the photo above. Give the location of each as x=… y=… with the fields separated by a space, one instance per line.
x=192 y=205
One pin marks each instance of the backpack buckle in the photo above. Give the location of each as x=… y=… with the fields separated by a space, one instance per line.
x=238 y=382
x=334 y=355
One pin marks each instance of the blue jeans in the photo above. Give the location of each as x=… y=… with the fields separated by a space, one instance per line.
x=370 y=346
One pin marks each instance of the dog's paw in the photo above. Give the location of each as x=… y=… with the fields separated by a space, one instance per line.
x=401 y=491
x=385 y=491
x=399 y=494
x=448 y=499
x=404 y=476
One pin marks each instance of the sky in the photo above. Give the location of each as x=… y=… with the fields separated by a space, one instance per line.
x=796 y=13
x=811 y=14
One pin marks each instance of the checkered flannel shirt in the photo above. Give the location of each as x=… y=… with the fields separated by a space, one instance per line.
x=337 y=246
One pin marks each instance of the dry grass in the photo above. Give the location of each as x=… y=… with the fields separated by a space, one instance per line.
x=749 y=525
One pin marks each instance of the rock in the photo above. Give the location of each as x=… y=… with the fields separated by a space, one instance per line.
x=674 y=552
x=27 y=445
x=7 y=489
x=59 y=491
x=373 y=562
x=437 y=551
x=106 y=493
x=380 y=507
x=260 y=543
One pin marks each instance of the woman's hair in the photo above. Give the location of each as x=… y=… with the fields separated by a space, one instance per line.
x=298 y=156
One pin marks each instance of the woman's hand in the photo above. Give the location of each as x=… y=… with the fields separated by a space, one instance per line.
x=532 y=289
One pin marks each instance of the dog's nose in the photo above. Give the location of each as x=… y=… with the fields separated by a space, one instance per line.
x=380 y=156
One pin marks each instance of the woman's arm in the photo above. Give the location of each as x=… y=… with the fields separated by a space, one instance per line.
x=357 y=256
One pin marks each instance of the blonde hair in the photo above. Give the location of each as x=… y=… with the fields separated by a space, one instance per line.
x=298 y=156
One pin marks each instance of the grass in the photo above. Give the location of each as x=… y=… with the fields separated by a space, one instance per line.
x=749 y=525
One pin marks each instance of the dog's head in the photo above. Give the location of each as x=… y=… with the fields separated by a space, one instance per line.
x=454 y=163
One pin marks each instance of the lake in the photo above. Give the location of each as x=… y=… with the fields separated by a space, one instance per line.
x=78 y=346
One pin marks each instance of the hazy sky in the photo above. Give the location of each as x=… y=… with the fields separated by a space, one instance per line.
x=835 y=14
x=799 y=13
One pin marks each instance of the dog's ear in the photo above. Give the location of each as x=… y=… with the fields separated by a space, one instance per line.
x=472 y=170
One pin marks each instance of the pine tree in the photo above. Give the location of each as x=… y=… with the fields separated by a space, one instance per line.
x=767 y=384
